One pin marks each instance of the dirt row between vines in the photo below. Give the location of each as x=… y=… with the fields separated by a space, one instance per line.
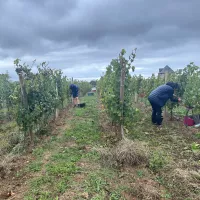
x=82 y=159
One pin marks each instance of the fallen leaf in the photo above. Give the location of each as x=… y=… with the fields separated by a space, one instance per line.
x=85 y=195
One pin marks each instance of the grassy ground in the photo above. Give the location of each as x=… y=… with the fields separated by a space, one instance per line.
x=174 y=155
x=68 y=164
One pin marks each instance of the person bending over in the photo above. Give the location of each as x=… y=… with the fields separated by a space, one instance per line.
x=159 y=97
x=74 y=91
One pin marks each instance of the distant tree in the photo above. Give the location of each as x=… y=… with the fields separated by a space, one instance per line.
x=93 y=83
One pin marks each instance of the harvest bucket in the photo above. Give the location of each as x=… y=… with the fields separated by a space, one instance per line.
x=90 y=93
x=81 y=105
x=192 y=119
x=188 y=121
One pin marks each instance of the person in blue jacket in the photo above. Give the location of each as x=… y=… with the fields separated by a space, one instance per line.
x=74 y=92
x=158 y=99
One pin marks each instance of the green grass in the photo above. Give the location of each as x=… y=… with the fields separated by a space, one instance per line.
x=92 y=156
x=40 y=181
x=84 y=130
x=140 y=173
x=38 y=152
x=62 y=164
x=35 y=167
x=68 y=154
x=157 y=161
x=69 y=163
x=83 y=133
x=74 y=167
x=99 y=185
x=58 y=172
x=61 y=169
x=197 y=135
x=95 y=183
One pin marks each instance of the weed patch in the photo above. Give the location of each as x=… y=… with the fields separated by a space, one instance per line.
x=157 y=161
x=35 y=167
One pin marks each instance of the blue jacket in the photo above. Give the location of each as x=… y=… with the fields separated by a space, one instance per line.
x=74 y=88
x=161 y=95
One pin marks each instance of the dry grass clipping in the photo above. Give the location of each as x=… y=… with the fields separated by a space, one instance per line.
x=147 y=192
x=184 y=183
x=5 y=166
x=125 y=153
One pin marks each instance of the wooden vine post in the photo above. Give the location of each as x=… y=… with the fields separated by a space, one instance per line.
x=72 y=95
x=23 y=89
x=57 y=110
x=136 y=97
x=122 y=81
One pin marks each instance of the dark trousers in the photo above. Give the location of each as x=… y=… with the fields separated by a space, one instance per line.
x=156 y=117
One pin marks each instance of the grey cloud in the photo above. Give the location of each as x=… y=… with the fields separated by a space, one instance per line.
x=97 y=30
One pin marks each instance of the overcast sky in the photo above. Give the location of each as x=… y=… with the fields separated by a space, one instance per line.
x=82 y=36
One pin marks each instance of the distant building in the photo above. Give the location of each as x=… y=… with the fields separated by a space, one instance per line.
x=164 y=70
x=93 y=89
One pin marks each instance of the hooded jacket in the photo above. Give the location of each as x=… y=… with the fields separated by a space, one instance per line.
x=161 y=95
